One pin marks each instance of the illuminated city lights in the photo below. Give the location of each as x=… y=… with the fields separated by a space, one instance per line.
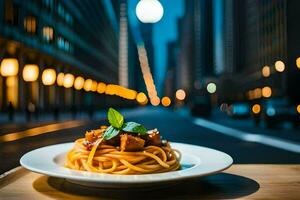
x=279 y=66
x=101 y=87
x=257 y=93
x=30 y=72
x=211 y=88
x=266 y=71
x=60 y=79
x=94 y=86
x=256 y=108
x=155 y=101
x=180 y=94
x=298 y=62
x=68 y=80
x=149 y=11
x=166 y=101
x=88 y=85
x=141 y=98
x=12 y=90
x=151 y=89
x=9 y=67
x=298 y=108
x=48 y=76
x=266 y=91
x=78 y=83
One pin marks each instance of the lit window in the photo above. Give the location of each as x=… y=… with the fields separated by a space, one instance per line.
x=30 y=24
x=64 y=44
x=48 y=33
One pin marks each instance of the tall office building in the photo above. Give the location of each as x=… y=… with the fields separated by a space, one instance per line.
x=259 y=33
x=77 y=37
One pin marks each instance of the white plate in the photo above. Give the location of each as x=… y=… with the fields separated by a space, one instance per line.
x=196 y=161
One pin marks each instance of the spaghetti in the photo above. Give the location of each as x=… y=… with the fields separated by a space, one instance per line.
x=109 y=159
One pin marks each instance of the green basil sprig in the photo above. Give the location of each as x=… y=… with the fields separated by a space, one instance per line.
x=117 y=124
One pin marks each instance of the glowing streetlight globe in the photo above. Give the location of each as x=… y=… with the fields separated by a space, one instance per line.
x=30 y=72
x=79 y=83
x=68 y=80
x=149 y=11
x=48 y=76
x=9 y=67
x=211 y=88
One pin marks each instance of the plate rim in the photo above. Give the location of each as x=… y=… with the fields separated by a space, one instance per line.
x=82 y=178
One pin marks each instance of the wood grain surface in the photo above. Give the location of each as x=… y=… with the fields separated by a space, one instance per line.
x=237 y=182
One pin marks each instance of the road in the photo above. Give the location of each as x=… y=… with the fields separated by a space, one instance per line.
x=245 y=143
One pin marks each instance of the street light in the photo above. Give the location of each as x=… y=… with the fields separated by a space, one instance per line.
x=279 y=66
x=68 y=80
x=60 y=79
x=166 y=101
x=30 y=72
x=94 y=86
x=79 y=83
x=9 y=67
x=149 y=11
x=298 y=62
x=141 y=98
x=266 y=71
x=180 y=94
x=256 y=108
x=266 y=91
x=48 y=76
x=101 y=87
x=155 y=101
x=211 y=88
x=88 y=85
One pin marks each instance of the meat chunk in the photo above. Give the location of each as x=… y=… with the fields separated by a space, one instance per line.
x=93 y=135
x=131 y=143
x=153 y=138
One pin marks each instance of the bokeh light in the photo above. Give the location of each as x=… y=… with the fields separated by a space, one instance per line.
x=166 y=101
x=94 y=86
x=211 y=88
x=9 y=67
x=30 y=72
x=88 y=85
x=266 y=91
x=155 y=101
x=149 y=11
x=79 y=83
x=279 y=66
x=256 y=108
x=101 y=87
x=141 y=98
x=48 y=76
x=60 y=79
x=266 y=71
x=180 y=94
x=68 y=80
x=298 y=62
x=298 y=108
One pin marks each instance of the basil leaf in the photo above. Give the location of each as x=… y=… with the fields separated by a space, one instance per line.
x=115 y=118
x=110 y=132
x=134 y=128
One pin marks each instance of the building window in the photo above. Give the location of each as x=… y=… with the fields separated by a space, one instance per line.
x=63 y=44
x=30 y=24
x=48 y=33
x=11 y=13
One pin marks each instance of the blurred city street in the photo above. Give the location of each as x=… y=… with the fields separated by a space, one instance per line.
x=176 y=126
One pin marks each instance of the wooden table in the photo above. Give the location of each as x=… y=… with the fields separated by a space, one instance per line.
x=237 y=182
